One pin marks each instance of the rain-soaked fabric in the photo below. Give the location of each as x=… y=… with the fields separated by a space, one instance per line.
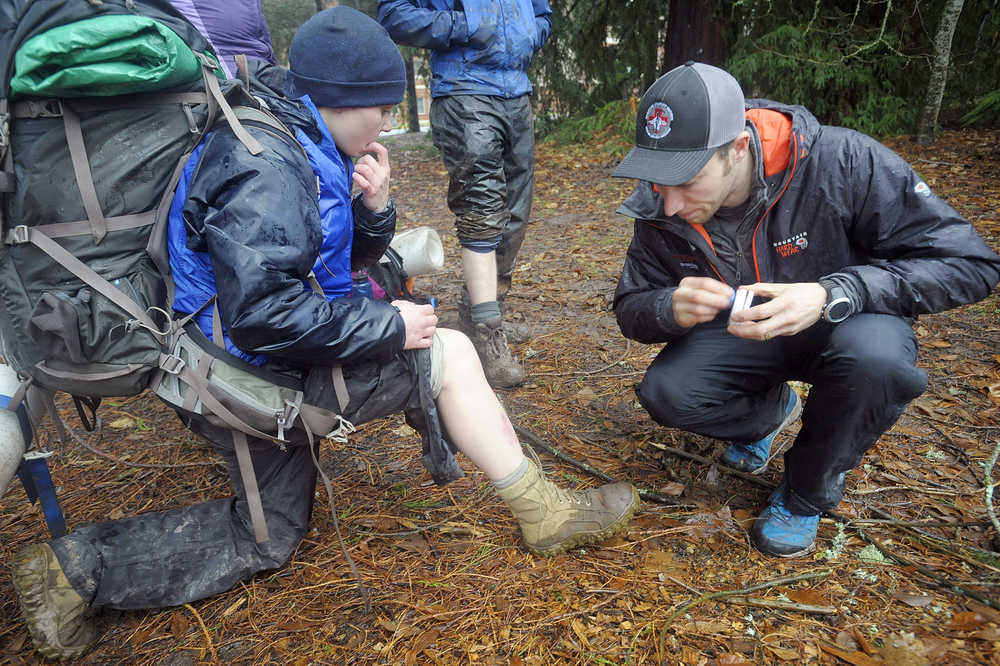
x=173 y=557
x=104 y=55
x=194 y=276
x=488 y=146
x=478 y=47
x=862 y=372
x=242 y=207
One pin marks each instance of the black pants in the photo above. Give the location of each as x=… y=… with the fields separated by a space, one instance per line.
x=862 y=374
x=172 y=557
x=488 y=146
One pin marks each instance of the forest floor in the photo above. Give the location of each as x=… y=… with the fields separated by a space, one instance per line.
x=908 y=573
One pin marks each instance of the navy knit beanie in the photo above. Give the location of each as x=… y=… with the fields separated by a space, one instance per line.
x=343 y=58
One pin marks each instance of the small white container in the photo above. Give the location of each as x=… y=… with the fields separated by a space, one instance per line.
x=12 y=437
x=420 y=249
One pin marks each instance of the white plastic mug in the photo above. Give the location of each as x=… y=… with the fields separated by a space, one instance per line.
x=420 y=249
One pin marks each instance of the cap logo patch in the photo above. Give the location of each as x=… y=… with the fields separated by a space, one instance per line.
x=659 y=117
x=922 y=189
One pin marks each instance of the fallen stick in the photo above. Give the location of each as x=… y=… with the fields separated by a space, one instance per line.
x=988 y=486
x=939 y=580
x=536 y=441
x=780 y=605
x=708 y=461
x=733 y=593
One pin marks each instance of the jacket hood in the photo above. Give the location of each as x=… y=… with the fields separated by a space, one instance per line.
x=645 y=204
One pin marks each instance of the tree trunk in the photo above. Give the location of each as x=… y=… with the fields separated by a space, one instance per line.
x=411 y=92
x=927 y=121
x=694 y=32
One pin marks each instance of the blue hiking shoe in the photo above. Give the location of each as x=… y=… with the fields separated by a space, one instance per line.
x=781 y=533
x=754 y=457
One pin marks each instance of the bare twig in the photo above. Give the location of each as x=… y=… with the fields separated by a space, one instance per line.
x=781 y=605
x=628 y=348
x=939 y=580
x=967 y=426
x=535 y=440
x=734 y=593
x=893 y=522
x=989 y=485
x=937 y=163
x=586 y=611
x=707 y=461
x=949 y=443
x=685 y=585
x=950 y=547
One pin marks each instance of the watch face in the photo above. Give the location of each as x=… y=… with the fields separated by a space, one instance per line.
x=838 y=310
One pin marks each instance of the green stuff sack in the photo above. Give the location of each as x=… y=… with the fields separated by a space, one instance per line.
x=103 y=56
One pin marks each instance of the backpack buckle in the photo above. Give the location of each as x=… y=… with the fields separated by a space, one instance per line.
x=18 y=235
x=171 y=363
x=48 y=108
x=286 y=418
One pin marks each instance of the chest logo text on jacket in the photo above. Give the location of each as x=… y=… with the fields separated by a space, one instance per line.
x=792 y=245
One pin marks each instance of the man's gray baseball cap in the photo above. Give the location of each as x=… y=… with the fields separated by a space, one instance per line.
x=682 y=119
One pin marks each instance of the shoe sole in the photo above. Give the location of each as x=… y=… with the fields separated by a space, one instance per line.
x=799 y=553
x=584 y=538
x=781 y=448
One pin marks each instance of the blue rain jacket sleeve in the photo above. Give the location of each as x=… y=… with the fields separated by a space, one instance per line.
x=478 y=47
x=428 y=25
x=258 y=220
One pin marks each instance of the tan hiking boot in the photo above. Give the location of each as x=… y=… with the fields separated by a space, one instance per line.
x=55 y=614
x=553 y=520
x=501 y=368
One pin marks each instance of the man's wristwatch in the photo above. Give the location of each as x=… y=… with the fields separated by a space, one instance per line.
x=838 y=306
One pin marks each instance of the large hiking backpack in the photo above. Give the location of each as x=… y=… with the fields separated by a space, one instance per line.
x=101 y=105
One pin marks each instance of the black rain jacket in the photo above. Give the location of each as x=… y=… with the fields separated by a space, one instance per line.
x=258 y=218
x=837 y=203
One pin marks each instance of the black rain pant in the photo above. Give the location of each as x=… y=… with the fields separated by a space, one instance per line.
x=488 y=147
x=169 y=558
x=862 y=373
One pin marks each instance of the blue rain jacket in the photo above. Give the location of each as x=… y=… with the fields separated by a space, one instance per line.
x=478 y=47
x=252 y=228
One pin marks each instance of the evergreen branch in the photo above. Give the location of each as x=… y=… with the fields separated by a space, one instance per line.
x=734 y=593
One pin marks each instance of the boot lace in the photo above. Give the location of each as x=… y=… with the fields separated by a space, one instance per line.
x=496 y=342
x=572 y=497
x=562 y=495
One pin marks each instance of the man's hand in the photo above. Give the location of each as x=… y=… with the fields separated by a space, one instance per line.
x=697 y=300
x=792 y=308
x=420 y=322
x=372 y=176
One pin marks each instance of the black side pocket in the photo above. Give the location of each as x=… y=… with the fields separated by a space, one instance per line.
x=54 y=325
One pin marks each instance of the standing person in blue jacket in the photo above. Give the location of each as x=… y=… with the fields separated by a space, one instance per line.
x=842 y=245
x=250 y=229
x=482 y=124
